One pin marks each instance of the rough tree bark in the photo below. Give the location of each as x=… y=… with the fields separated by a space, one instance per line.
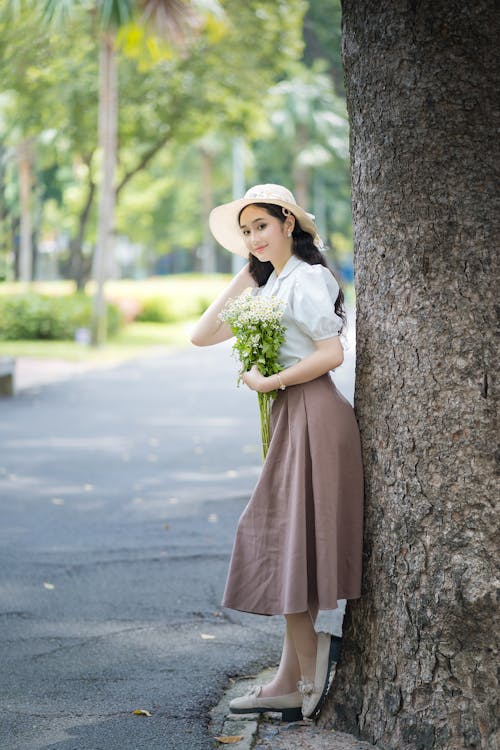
x=419 y=659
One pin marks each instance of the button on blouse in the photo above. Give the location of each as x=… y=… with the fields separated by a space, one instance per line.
x=310 y=293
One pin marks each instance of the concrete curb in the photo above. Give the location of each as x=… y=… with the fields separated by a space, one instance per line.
x=226 y=724
x=269 y=731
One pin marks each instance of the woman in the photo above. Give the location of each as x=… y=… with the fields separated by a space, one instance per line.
x=298 y=542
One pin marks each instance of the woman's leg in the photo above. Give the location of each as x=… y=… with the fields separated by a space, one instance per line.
x=285 y=679
x=305 y=641
x=289 y=670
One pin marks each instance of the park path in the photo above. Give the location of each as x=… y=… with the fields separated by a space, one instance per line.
x=120 y=489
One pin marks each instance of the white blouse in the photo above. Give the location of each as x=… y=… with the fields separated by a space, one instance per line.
x=310 y=293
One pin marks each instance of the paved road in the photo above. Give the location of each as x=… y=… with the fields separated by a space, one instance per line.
x=119 y=493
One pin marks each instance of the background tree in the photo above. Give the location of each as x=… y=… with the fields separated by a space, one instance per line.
x=306 y=146
x=322 y=37
x=168 y=17
x=422 y=86
x=210 y=90
x=22 y=64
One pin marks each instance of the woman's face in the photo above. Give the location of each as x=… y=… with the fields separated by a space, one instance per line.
x=266 y=237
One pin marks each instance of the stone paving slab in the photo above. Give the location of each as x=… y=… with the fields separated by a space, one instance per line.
x=268 y=732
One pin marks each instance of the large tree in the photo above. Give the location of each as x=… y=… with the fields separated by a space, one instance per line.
x=211 y=86
x=422 y=91
x=167 y=17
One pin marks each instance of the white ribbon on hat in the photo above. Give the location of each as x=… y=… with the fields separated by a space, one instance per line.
x=267 y=194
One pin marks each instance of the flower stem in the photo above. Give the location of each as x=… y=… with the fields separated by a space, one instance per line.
x=265 y=401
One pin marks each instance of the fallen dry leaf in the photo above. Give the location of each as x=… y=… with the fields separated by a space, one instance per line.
x=141 y=712
x=230 y=740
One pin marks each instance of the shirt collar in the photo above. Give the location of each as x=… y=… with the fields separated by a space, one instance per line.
x=289 y=266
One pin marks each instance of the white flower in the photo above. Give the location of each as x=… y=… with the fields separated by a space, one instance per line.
x=248 y=310
x=256 y=323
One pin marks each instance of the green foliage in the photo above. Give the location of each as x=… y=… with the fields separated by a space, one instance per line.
x=156 y=310
x=203 y=304
x=168 y=99
x=37 y=316
x=172 y=103
x=307 y=146
x=164 y=310
x=323 y=38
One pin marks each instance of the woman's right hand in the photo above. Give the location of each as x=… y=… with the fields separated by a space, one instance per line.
x=209 y=329
x=244 y=276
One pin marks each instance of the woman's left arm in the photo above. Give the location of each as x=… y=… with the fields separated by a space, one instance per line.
x=329 y=354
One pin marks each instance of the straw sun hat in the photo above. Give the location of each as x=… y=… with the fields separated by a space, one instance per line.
x=223 y=220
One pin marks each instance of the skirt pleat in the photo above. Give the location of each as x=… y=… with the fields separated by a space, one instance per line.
x=299 y=539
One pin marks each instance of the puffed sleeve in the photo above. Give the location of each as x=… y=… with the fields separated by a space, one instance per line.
x=313 y=303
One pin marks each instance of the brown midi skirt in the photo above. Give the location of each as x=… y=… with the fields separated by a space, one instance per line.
x=299 y=539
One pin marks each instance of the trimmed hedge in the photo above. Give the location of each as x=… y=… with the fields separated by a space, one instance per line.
x=156 y=310
x=162 y=310
x=37 y=316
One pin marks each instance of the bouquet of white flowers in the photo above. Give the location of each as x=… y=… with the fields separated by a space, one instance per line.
x=255 y=320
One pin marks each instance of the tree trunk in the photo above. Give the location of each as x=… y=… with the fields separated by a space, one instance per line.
x=208 y=258
x=418 y=668
x=80 y=264
x=108 y=125
x=25 y=185
x=301 y=171
x=238 y=158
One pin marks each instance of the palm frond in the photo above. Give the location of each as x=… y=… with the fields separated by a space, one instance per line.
x=172 y=19
x=115 y=12
x=58 y=11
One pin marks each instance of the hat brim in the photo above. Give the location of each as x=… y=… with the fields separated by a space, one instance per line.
x=223 y=223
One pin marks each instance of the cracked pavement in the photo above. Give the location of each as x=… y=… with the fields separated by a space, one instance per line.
x=120 y=490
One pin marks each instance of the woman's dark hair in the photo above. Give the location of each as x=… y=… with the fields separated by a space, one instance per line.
x=303 y=247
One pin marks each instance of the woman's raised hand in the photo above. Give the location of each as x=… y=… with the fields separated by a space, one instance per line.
x=209 y=329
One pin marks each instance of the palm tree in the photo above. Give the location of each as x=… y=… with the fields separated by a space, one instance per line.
x=171 y=18
x=310 y=118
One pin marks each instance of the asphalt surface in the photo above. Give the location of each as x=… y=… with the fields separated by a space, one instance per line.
x=120 y=490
